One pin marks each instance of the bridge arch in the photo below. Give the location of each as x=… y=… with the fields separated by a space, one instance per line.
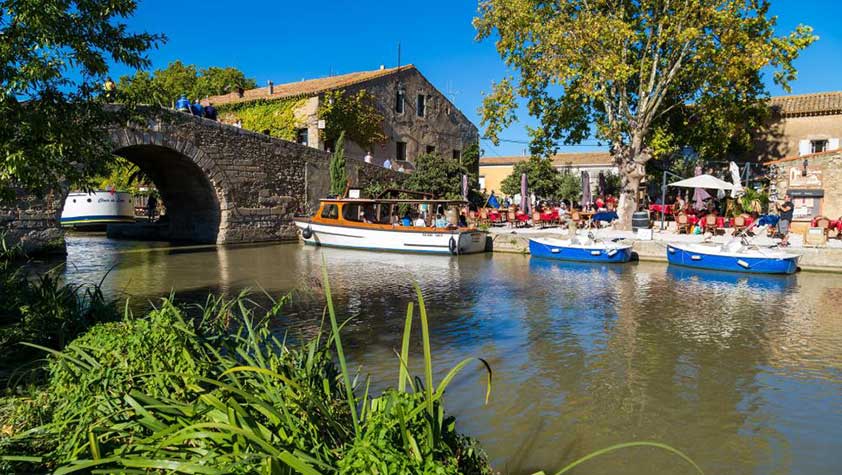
x=192 y=187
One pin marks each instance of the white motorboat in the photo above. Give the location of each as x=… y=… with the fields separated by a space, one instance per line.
x=97 y=209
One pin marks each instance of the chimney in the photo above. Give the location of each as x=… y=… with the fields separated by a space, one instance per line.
x=271 y=88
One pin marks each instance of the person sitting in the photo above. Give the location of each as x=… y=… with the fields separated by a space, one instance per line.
x=182 y=104
x=197 y=109
x=406 y=220
x=492 y=201
x=440 y=221
x=420 y=222
x=463 y=220
x=210 y=112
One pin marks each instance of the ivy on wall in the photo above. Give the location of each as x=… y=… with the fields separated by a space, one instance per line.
x=355 y=114
x=277 y=116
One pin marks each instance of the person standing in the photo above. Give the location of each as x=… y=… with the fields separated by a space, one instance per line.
x=387 y=164
x=210 y=112
x=110 y=89
x=151 y=206
x=786 y=210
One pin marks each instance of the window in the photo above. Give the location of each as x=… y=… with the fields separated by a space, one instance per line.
x=457 y=155
x=330 y=212
x=301 y=136
x=481 y=182
x=421 y=105
x=400 y=150
x=399 y=100
x=431 y=149
x=352 y=212
x=818 y=146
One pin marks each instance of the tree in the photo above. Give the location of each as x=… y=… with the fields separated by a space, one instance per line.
x=440 y=176
x=541 y=176
x=570 y=187
x=54 y=58
x=623 y=69
x=338 y=174
x=165 y=85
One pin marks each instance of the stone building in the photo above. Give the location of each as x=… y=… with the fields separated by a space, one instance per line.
x=815 y=183
x=493 y=170
x=801 y=125
x=418 y=118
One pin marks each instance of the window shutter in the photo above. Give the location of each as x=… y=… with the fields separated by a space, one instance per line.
x=833 y=144
x=804 y=147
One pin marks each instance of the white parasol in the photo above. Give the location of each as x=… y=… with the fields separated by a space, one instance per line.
x=735 y=178
x=704 y=181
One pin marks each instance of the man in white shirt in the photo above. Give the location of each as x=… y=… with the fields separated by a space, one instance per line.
x=387 y=164
x=419 y=222
x=367 y=157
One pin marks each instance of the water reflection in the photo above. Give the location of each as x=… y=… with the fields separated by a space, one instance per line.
x=743 y=373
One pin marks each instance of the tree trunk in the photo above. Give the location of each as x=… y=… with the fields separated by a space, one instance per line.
x=632 y=170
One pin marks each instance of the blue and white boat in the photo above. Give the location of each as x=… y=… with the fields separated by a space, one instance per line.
x=581 y=249
x=734 y=256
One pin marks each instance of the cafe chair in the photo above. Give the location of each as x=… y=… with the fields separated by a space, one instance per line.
x=823 y=224
x=739 y=224
x=682 y=224
x=536 y=220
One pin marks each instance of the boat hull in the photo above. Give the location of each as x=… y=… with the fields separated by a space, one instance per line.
x=97 y=209
x=699 y=259
x=455 y=242
x=596 y=253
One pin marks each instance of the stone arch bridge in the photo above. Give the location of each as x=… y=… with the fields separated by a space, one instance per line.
x=220 y=184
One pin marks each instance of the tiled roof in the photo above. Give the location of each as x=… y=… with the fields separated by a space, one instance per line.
x=821 y=103
x=306 y=88
x=805 y=157
x=559 y=160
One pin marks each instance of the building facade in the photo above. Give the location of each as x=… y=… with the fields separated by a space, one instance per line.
x=417 y=118
x=493 y=170
x=801 y=125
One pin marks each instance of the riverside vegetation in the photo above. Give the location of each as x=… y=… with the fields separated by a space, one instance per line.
x=210 y=390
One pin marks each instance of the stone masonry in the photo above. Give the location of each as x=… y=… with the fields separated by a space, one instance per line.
x=220 y=184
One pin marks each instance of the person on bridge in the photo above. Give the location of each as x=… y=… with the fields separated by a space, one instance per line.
x=387 y=164
x=210 y=112
x=367 y=157
x=110 y=89
x=182 y=104
x=197 y=109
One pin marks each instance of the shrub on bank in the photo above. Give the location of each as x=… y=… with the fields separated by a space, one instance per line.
x=164 y=393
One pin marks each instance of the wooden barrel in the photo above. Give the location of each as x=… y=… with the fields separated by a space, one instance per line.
x=640 y=220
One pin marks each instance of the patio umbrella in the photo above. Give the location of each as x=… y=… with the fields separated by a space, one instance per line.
x=699 y=194
x=602 y=184
x=465 y=187
x=586 y=189
x=704 y=181
x=735 y=178
x=524 y=196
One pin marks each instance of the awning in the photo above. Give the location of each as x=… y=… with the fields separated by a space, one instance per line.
x=704 y=181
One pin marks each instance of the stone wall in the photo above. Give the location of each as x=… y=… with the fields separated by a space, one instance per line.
x=32 y=222
x=219 y=183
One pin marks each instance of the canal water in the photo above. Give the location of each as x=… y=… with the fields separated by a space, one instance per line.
x=744 y=374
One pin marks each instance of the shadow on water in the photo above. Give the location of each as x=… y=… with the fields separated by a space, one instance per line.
x=743 y=373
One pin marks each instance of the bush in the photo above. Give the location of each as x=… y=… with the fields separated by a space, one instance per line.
x=160 y=393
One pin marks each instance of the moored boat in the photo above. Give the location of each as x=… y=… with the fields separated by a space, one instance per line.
x=735 y=256
x=373 y=224
x=97 y=209
x=579 y=248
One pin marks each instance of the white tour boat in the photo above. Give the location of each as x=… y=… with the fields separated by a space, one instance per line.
x=374 y=224
x=97 y=209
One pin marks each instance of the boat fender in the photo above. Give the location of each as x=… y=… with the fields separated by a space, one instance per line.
x=452 y=246
x=743 y=264
x=307 y=233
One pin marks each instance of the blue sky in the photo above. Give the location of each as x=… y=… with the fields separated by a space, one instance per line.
x=290 y=40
